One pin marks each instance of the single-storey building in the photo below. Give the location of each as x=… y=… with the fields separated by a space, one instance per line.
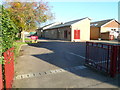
x=75 y=30
x=104 y=29
x=40 y=30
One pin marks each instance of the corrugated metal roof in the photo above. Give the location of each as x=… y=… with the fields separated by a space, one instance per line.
x=66 y=24
x=100 y=23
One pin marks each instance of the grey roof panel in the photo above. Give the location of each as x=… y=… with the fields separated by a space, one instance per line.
x=100 y=23
x=66 y=24
x=45 y=26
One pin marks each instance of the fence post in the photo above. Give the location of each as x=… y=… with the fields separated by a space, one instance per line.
x=113 y=61
x=9 y=68
x=86 y=55
x=1 y=78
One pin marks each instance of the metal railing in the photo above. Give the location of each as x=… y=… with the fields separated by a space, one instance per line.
x=103 y=57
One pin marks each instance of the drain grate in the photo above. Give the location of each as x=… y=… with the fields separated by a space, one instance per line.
x=38 y=74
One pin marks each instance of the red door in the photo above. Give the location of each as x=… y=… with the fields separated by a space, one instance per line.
x=76 y=34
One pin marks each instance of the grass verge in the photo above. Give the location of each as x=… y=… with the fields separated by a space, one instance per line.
x=26 y=39
x=17 y=46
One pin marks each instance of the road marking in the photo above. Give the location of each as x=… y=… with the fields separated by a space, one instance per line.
x=89 y=59
x=38 y=74
x=76 y=55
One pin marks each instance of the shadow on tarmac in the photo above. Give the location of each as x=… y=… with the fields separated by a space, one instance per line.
x=61 y=58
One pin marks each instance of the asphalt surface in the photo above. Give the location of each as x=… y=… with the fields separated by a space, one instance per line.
x=57 y=64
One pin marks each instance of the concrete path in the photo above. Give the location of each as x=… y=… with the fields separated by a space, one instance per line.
x=57 y=64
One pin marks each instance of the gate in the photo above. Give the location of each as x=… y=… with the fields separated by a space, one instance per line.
x=9 y=67
x=103 y=57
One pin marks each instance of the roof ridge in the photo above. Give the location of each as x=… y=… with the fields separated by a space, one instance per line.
x=102 y=20
x=75 y=20
x=67 y=23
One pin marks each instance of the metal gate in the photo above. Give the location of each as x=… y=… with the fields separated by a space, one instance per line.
x=103 y=57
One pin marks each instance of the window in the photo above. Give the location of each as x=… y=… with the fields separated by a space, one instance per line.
x=94 y=24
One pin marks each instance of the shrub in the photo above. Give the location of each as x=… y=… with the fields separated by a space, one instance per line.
x=9 y=30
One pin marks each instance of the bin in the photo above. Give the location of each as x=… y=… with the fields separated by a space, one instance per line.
x=34 y=39
x=111 y=37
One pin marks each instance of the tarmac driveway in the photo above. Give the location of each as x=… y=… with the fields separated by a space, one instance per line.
x=57 y=64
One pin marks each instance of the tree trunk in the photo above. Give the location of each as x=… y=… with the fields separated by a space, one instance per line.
x=19 y=34
x=23 y=36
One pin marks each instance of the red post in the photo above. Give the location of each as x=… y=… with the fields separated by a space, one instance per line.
x=113 y=61
x=9 y=67
x=1 y=79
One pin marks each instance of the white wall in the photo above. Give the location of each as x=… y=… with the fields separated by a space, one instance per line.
x=84 y=27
